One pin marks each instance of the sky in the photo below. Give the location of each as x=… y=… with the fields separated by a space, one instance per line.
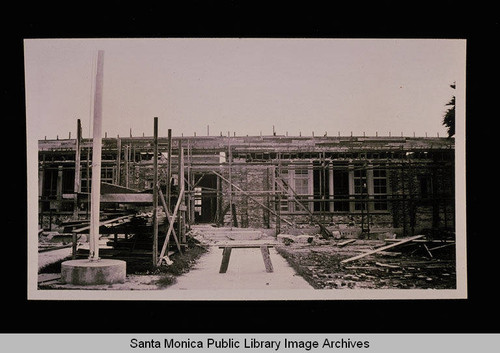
x=244 y=86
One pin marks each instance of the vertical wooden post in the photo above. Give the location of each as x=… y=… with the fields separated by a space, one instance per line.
x=219 y=202
x=77 y=184
x=189 y=186
x=330 y=188
x=369 y=194
x=267 y=259
x=155 y=192
x=126 y=154
x=182 y=212
x=229 y=156
x=118 y=160
x=59 y=188
x=352 y=203
x=87 y=170
x=169 y=168
x=233 y=214
x=277 y=179
x=324 y=196
x=266 y=213
x=403 y=194
x=96 y=161
x=226 y=255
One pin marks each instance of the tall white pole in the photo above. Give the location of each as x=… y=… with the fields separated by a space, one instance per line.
x=96 y=161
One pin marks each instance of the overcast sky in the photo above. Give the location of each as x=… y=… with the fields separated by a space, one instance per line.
x=244 y=85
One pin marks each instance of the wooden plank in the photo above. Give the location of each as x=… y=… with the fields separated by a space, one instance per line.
x=386 y=265
x=344 y=243
x=423 y=241
x=226 y=254
x=441 y=246
x=79 y=230
x=403 y=241
x=246 y=246
x=267 y=259
x=52 y=248
x=126 y=198
x=427 y=250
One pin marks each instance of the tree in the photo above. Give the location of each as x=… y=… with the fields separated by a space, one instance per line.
x=449 y=116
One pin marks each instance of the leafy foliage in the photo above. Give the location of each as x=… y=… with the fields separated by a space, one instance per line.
x=449 y=116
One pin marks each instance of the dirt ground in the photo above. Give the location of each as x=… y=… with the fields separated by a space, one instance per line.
x=140 y=274
x=405 y=267
x=318 y=261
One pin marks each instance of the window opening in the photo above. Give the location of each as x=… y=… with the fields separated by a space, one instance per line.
x=380 y=189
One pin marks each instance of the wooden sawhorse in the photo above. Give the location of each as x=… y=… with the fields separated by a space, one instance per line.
x=264 y=249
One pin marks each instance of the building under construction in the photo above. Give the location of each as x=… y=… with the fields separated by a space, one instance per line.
x=277 y=181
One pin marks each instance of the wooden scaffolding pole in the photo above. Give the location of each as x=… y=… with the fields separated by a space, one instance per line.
x=155 y=192
x=182 y=206
x=118 y=160
x=277 y=195
x=190 y=203
x=77 y=185
x=169 y=168
x=229 y=156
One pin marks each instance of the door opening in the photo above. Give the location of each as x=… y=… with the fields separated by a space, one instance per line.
x=205 y=198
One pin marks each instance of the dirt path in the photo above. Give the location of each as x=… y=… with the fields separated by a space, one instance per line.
x=246 y=271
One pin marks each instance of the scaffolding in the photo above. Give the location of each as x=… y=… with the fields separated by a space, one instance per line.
x=227 y=181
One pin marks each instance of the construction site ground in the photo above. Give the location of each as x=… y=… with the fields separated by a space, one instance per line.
x=319 y=263
x=197 y=269
x=302 y=261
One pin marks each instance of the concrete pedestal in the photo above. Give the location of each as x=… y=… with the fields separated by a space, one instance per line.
x=85 y=272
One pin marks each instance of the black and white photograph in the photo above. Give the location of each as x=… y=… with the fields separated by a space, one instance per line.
x=246 y=168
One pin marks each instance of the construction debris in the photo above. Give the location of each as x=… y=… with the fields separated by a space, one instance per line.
x=320 y=265
x=288 y=238
x=403 y=241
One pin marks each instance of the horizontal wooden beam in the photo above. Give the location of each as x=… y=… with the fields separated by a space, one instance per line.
x=245 y=246
x=127 y=198
x=79 y=230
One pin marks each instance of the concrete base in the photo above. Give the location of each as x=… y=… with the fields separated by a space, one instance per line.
x=85 y=272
